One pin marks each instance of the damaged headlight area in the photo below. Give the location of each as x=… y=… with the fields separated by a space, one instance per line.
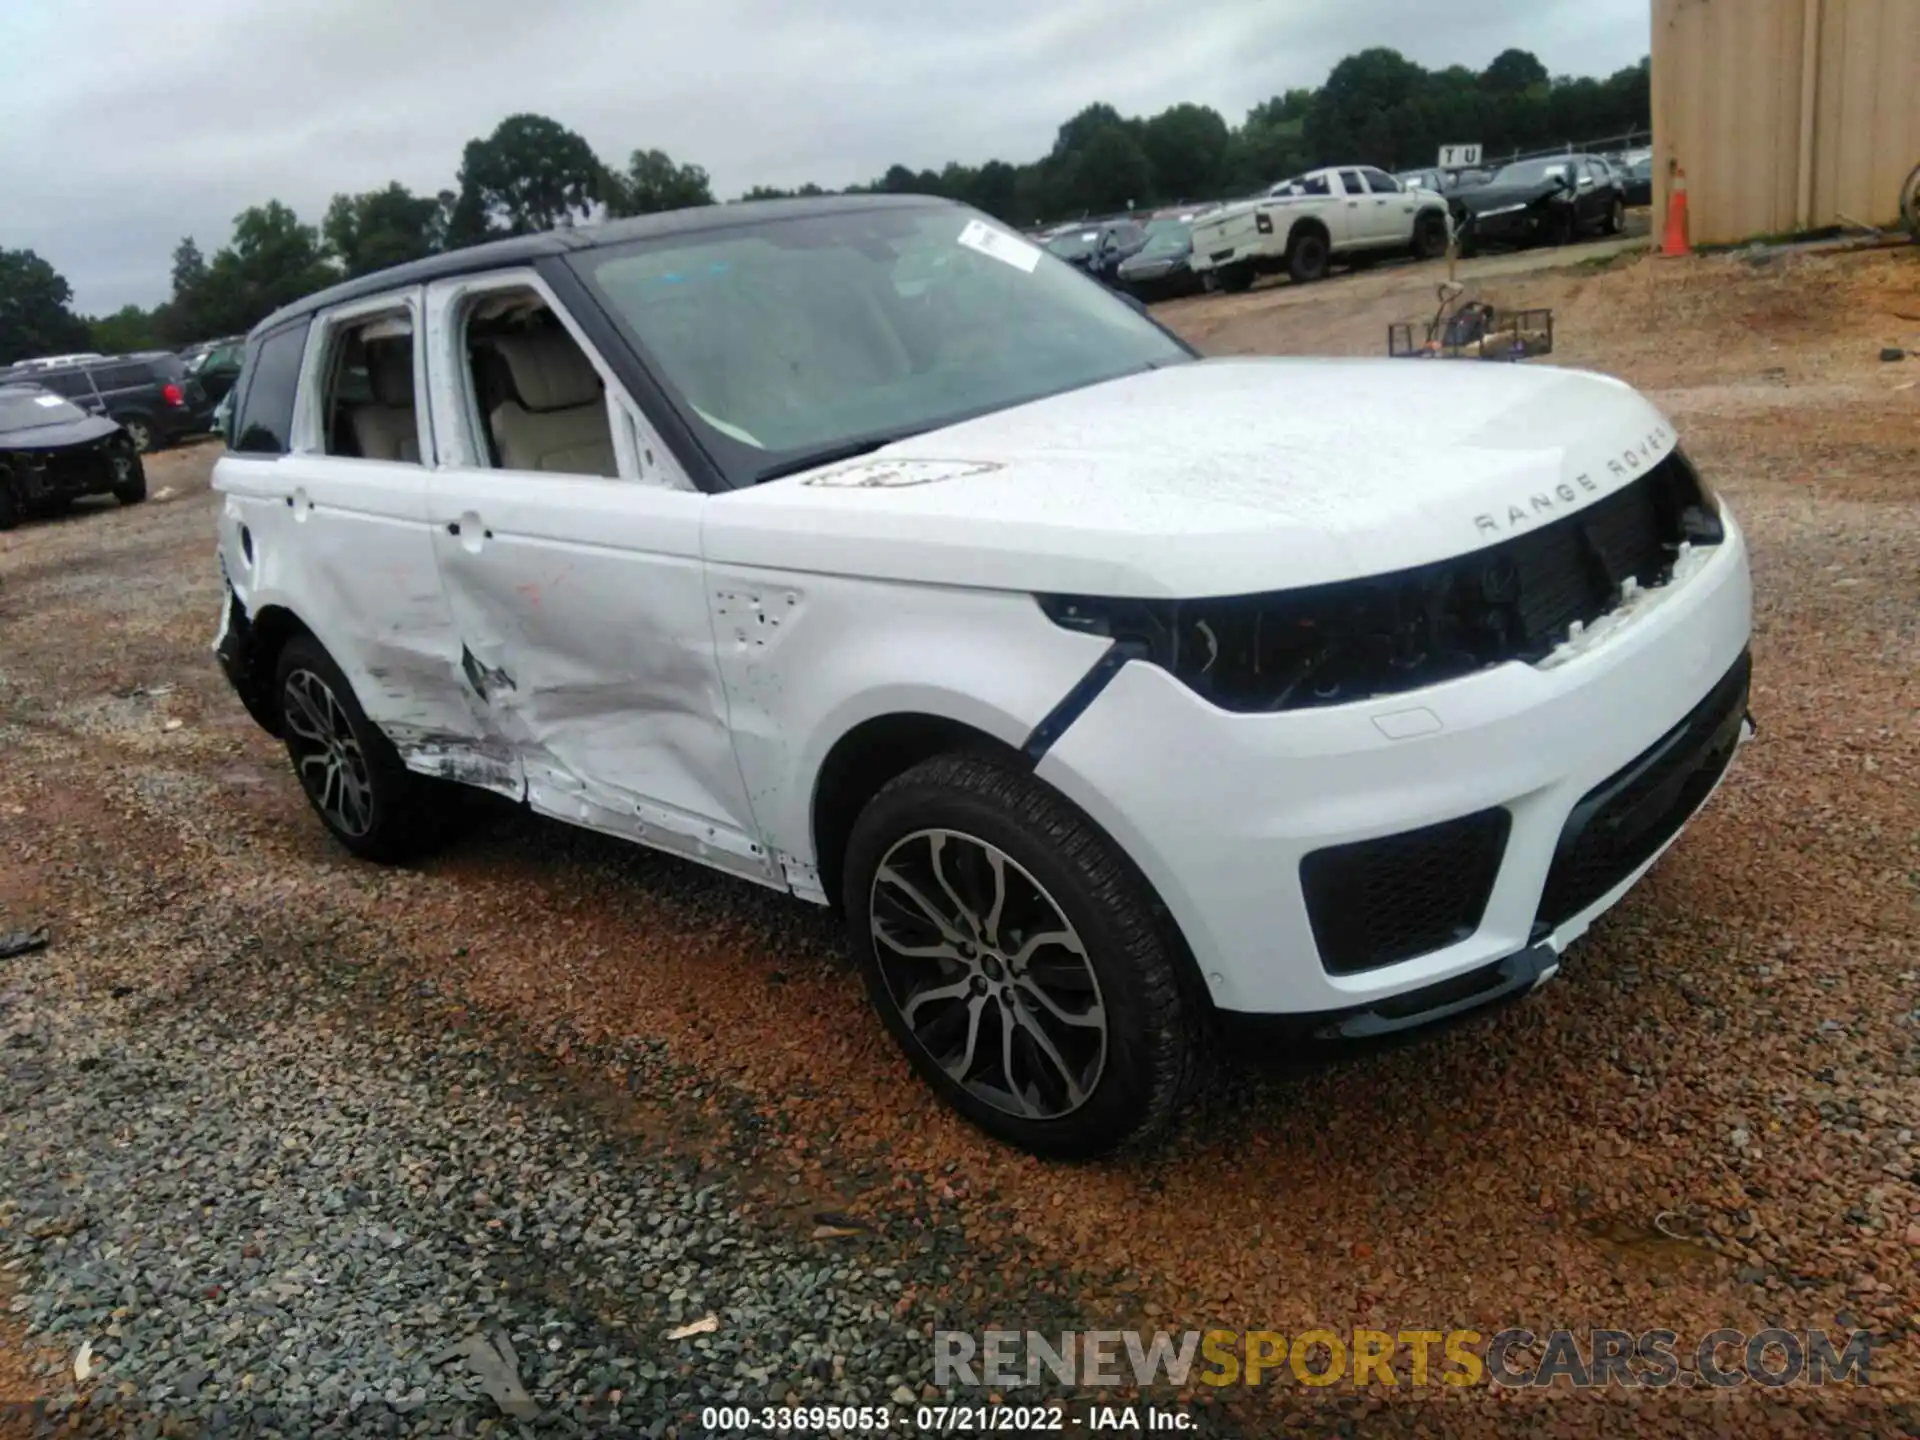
x=1517 y=600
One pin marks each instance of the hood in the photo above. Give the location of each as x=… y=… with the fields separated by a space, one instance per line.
x=1480 y=198
x=1215 y=477
x=55 y=437
x=1146 y=266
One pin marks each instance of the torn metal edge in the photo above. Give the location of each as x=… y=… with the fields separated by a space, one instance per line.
x=1080 y=698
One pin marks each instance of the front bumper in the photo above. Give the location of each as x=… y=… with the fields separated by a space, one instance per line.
x=1219 y=810
x=1517 y=227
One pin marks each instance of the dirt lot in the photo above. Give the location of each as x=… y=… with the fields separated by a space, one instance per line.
x=1707 y=1121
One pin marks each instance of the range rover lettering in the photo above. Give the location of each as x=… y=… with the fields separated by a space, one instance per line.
x=859 y=548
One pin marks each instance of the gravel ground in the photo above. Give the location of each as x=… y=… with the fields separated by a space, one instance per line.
x=296 y=1127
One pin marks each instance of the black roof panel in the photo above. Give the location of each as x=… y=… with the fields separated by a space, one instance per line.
x=524 y=249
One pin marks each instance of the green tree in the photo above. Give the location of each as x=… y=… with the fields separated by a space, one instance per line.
x=381 y=228
x=1187 y=146
x=34 y=314
x=271 y=261
x=1353 y=117
x=1513 y=72
x=129 y=328
x=1097 y=163
x=531 y=173
x=653 y=182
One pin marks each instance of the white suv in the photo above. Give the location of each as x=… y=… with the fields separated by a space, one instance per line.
x=857 y=547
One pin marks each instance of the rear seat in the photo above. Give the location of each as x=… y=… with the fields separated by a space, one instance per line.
x=386 y=429
x=556 y=419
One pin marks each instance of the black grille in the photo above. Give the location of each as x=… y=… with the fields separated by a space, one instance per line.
x=1377 y=902
x=1515 y=600
x=1622 y=821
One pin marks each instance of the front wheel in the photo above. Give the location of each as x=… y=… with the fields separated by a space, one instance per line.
x=1616 y=217
x=1017 y=959
x=352 y=775
x=129 y=479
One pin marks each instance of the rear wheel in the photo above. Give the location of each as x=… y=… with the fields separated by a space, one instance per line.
x=1429 y=236
x=141 y=431
x=1616 y=216
x=1307 y=258
x=352 y=775
x=1018 y=961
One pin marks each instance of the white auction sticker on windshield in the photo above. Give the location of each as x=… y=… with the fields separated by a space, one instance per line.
x=48 y=400
x=978 y=235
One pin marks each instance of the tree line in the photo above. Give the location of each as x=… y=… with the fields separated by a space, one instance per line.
x=532 y=173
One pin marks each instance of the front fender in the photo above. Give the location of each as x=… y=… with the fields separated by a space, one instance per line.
x=807 y=658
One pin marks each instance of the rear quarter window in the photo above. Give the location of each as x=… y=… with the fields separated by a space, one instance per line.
x=264 y=420
x=122 y=377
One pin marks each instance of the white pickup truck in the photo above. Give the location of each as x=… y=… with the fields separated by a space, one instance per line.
x=1303 y=225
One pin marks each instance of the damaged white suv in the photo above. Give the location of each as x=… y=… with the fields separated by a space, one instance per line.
x=858 y=548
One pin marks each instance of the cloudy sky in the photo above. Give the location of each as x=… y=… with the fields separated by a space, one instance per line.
x=129 y=123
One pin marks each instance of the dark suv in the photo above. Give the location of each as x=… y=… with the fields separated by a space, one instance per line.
x=216 y=365
x=150 y=394
x=1098 y=246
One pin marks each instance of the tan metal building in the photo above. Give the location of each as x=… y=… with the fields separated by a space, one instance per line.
x=1786 y=115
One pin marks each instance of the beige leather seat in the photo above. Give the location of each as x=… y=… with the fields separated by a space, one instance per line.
x=386 y=429
x=556 y=419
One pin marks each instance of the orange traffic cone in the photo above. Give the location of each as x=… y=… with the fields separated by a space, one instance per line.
x=1676 y=241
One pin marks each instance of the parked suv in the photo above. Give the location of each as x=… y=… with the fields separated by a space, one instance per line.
x=1100 y=247
x=216 y=365
x=857 y=547
x=149 y=395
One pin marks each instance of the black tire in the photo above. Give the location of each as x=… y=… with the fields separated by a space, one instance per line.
x=1429 y=235
x=1560 y=228
x=142 y=431
x=399 y=814
x=1308 y=257
x=130 y=484
x=1150 y=1025
x=1616 y=216
x=1236 y=279
x=12 y=509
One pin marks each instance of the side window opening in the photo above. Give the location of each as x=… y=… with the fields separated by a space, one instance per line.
x=368 y=407
x=1350 y=180
x=541 y=404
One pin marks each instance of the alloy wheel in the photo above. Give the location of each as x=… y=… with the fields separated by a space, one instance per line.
x=990 y=977
x=331 y=765
x=140 y=433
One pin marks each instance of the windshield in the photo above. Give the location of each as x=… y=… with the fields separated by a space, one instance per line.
x=1074 y=245
x=26 y=410
x=1532 y=172
x=1168 y=237
x=809 y=336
